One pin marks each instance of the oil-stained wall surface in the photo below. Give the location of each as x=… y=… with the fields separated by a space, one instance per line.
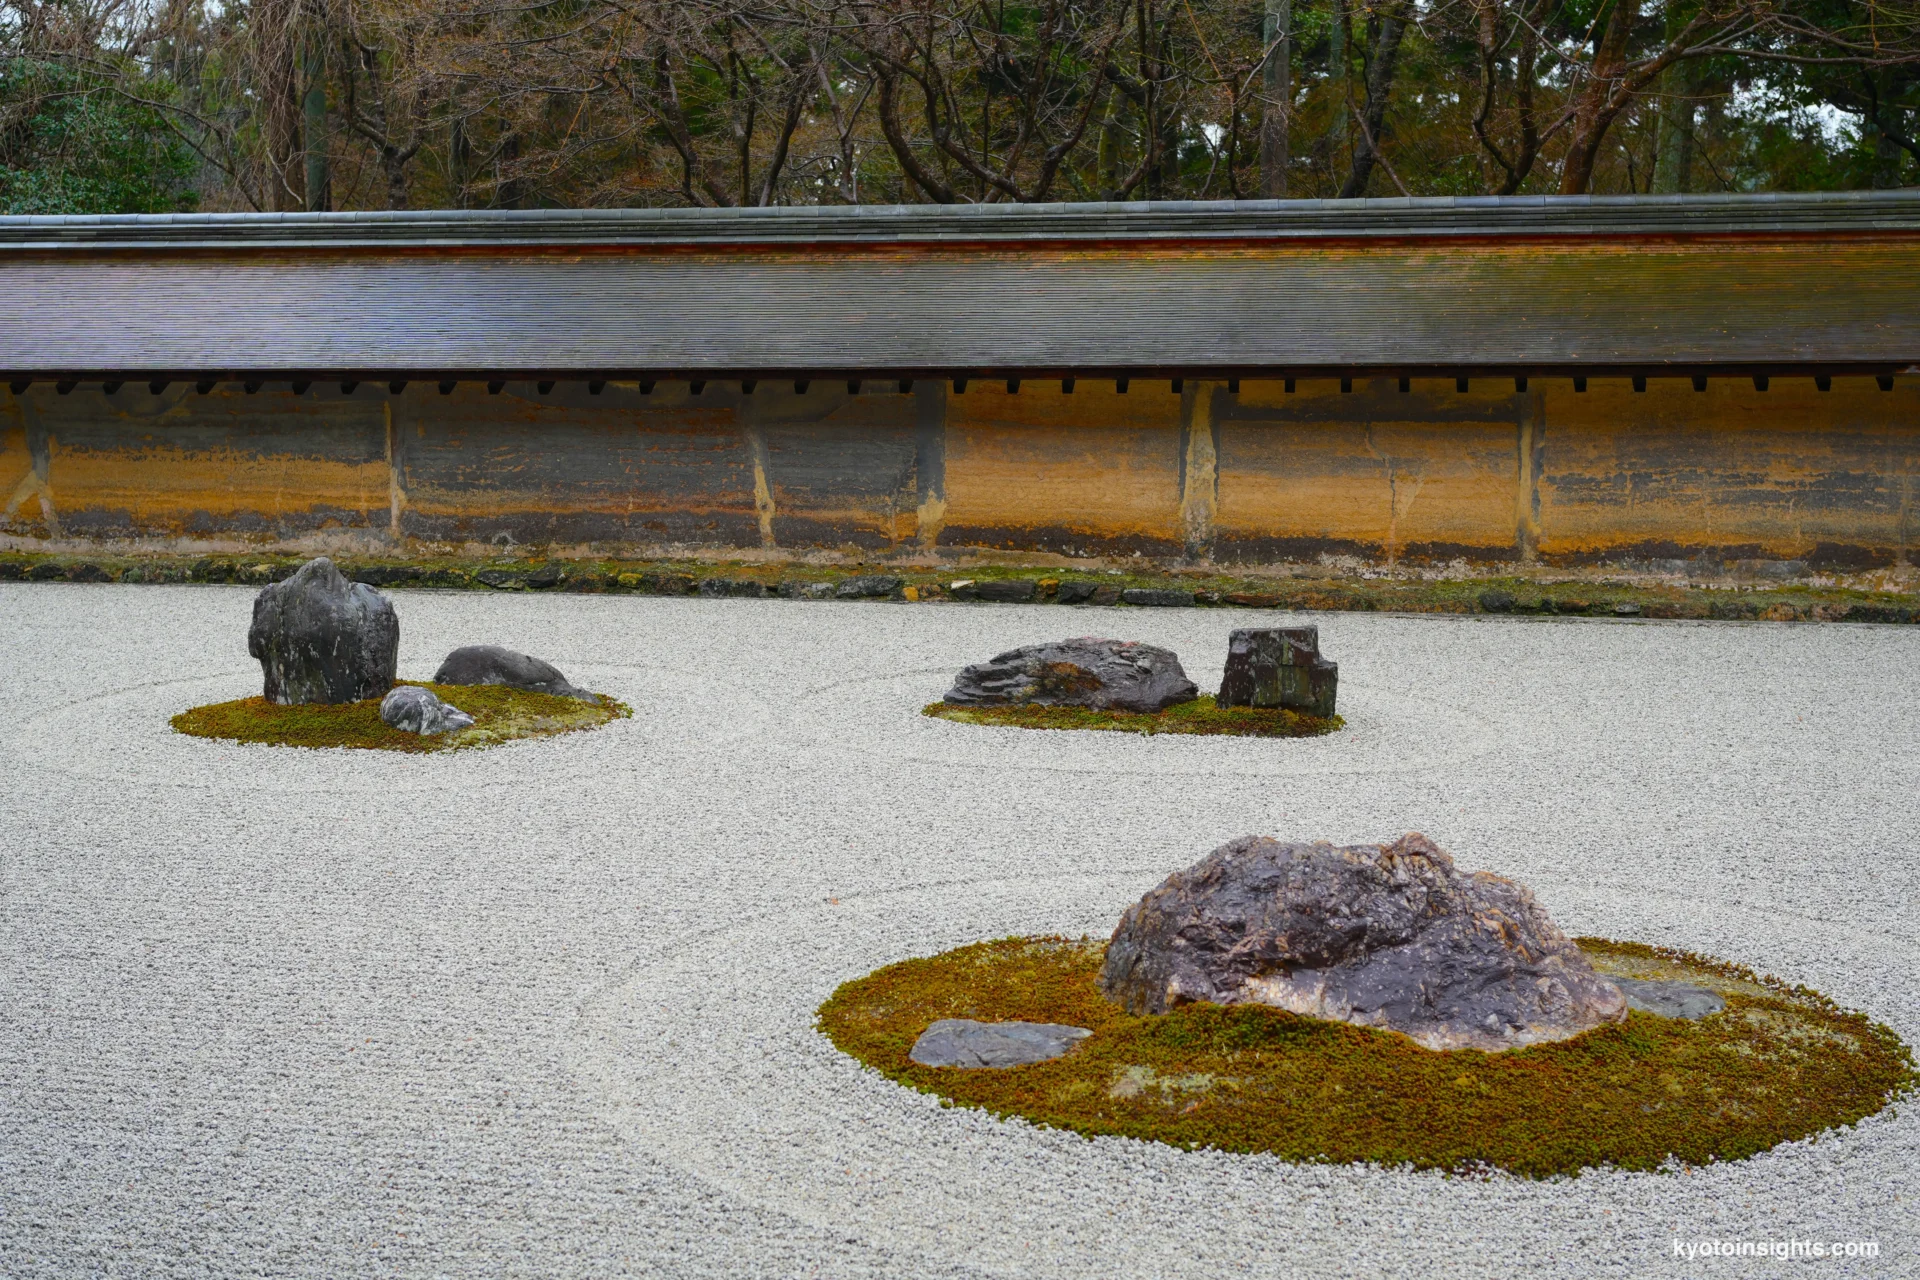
x=1234 y=472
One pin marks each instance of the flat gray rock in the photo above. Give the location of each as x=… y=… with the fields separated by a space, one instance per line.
x=1118 y=675
x=1670 y=999
x=491 y=664
x=321 y=638
x=1387 y=936
x=418 y=710
x=962 y=1042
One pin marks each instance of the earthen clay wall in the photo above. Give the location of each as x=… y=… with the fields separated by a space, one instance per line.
x=1249 y=475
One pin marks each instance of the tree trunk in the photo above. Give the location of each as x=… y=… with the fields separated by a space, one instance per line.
x=1673 y=157
x=1386 y=55
x=1277 y=99
x=1337 y=82
x=1592 y=115
x=313 y=111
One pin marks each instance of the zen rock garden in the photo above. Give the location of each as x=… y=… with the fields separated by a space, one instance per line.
x=1276 y=684
x=328 y=650
x=1368 y=1003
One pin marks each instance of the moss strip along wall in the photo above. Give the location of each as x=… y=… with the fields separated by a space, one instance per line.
x=1248 y=475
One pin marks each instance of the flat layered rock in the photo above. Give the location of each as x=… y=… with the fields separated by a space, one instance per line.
x=1388 y=936
x=491 y=664
x=962 y=1042
x=1107 y=675
x=322 y=638
x=1670 y=999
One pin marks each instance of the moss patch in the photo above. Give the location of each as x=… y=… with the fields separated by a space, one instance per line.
x=500 y=714
x=1198 y=716
x=1778 y=1063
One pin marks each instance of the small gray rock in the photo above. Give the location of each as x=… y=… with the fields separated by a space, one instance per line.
x=1118 y=675
x=1497 y=601
x=962 y=1042
x=868 y=586
x=1155 y=598
x=491 y=664
x=417 y=710
x=321 y=638
x=1076 y=592
x=1279 y=667
x=1670 y=999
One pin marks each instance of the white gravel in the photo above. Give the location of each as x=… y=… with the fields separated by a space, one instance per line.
x=547 y=1010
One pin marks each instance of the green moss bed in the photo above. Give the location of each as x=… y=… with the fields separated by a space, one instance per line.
x=500 y=714
x=1778 y=1063
x=1198 y=716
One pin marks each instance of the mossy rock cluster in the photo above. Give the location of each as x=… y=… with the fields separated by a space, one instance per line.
x=500 y=714
x=1200 y=716
x=1777 y=1064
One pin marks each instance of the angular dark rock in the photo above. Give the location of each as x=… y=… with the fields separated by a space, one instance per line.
x=88 y=573
x=501 y=579
x=1105 y=595
x=1670 y=999
x=1497 y=601
x=546 y=577
x=320 y=638
x=962 y=1042
x=667 y=584
x=1154 y=598
x=1388 y=936
x=1279 y=667
x=722 y=588
x=491 y=664
x=868 y=586
x=997 y=590
x=417 y=710
x=1116 y=675
x=1076 y=592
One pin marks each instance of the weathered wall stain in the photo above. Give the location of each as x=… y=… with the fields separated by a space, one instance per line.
x=1087 y=471
x=1248 y=474
x=1374 y=471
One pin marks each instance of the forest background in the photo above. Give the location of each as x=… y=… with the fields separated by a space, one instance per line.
x=155 y=105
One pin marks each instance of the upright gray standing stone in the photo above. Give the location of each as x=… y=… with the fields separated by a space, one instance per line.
x=1279 y=667
x=321 y=638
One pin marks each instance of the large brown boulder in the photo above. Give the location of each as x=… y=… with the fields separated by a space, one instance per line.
x=321 y=638
x=1107 y=675
x=1387 y=936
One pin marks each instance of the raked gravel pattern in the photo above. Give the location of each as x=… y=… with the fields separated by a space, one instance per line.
x=547 y=1009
